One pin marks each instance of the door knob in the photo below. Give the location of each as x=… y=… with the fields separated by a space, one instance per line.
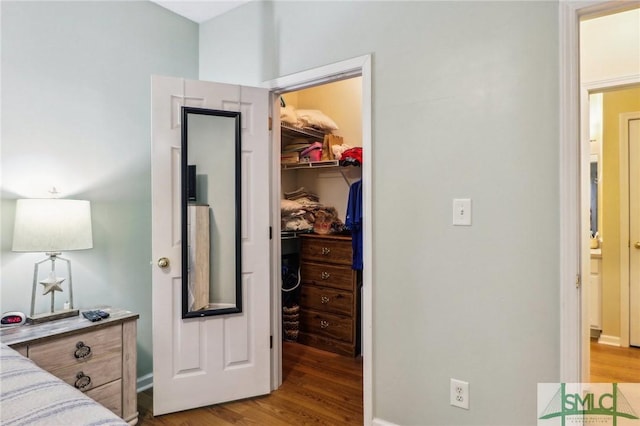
x=163 y=262
x=637 y=245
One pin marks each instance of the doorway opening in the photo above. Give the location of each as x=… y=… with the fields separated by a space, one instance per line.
x=607 y=254
x=613 y=280
x=320 y=157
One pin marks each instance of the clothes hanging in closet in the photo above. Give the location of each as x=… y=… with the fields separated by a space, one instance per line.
x=353 y=222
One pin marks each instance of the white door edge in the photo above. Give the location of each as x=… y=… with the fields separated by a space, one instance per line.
x=574 y=343
x=361 y=66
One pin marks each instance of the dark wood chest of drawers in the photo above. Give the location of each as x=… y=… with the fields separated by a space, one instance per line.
x=330 y=295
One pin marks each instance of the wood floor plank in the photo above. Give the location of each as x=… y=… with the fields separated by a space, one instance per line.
x=612 y=364
x=319 y=388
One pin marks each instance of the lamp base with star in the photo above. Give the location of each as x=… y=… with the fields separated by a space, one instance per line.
x=51 y=285
x=52 y=316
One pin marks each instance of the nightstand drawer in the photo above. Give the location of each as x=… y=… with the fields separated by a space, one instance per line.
x=77 y=349
x=92 y=373
x=340 y=277
x=327 y=325
x=109 y=396
x=326 y=299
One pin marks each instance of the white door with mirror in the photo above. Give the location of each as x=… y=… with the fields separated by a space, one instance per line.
x=210 y=303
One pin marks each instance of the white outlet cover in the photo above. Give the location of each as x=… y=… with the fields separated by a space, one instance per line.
x=459 y=394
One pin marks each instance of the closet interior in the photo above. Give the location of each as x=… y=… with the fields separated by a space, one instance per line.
x=321 y=216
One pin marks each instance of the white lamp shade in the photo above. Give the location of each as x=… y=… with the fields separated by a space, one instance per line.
x=52 y=225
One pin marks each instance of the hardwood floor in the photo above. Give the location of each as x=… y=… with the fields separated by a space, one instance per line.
x=319 y=388
x=322 y=388
x=612 y=364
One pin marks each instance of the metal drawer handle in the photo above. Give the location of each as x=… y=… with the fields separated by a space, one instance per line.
x=82 y=381
x=324 y=300
x=325 y=275
x=325 y=251
x=82 y=351
x=324 y=324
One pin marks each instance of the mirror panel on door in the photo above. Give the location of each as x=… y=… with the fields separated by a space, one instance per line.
x=211 y=249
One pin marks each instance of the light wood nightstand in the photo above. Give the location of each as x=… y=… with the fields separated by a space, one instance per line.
x=99 y=358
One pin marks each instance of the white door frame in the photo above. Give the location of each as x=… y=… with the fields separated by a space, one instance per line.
x=574 y=261
x=359 y=66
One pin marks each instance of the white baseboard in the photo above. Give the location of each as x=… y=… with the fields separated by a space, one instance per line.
x=609 y=340
x=144 y=382
x=379 y=422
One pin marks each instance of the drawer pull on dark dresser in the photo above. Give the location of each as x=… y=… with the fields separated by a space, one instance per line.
x=82 y=351
x=324 y=324
x=325 y=251
x=325 y=275
x=82 y=381
x=324 y=300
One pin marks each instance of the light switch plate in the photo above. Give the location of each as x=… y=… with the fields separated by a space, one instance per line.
x=462 y=211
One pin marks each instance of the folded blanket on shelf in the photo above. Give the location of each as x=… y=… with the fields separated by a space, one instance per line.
x=304 y=215
x=301 y=195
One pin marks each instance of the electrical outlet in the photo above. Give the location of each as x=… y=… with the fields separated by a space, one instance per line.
x=459 y=394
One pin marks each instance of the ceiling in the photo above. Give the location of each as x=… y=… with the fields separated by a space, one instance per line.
x=200 y=10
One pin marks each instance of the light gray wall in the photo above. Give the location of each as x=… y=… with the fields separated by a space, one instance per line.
x=465 y=104
x=76 y=115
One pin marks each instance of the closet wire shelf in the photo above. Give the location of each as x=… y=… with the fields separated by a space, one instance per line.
x=311 y=164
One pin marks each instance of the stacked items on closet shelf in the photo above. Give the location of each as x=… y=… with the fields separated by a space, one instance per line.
x=306 y=136
x=302 y=211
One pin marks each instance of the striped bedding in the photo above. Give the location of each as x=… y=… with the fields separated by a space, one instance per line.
x=32 y=396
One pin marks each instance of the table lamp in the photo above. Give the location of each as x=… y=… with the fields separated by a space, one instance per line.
x=52 y=226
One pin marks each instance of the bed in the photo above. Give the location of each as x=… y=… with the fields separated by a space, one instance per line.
x=31 y=396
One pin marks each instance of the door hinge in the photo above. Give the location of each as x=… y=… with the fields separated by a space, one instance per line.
x=270 y=123
x=271 y=233
x=578 y=280
x=270 y=342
